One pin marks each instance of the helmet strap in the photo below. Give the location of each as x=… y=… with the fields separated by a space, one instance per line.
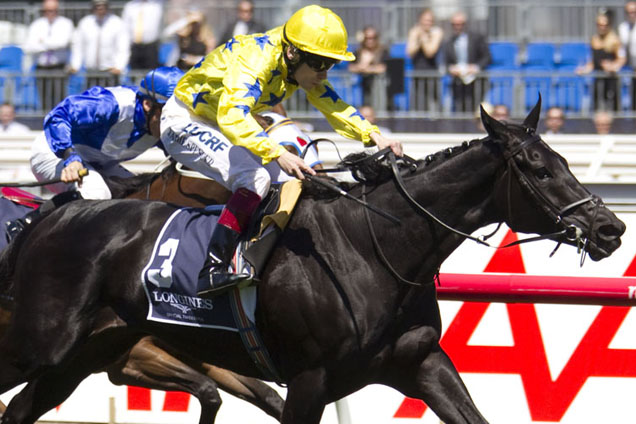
x=147 y=114
x=293 y=62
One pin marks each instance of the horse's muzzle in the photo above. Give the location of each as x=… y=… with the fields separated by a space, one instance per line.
x=606 y=234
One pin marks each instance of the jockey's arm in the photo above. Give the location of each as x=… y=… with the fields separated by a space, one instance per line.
x=346 y=120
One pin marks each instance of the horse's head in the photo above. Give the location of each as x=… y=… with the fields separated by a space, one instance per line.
x=537 y=193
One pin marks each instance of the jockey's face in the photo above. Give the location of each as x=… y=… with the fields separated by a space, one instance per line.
x=308 y=78
x=153 y=117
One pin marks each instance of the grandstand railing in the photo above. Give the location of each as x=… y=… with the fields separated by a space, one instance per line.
x=425 y=93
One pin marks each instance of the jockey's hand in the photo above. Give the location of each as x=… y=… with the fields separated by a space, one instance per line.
x=71 y=174
x=294 y=165
x=383 y=142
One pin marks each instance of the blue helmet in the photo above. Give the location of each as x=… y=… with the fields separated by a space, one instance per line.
x=158 y=84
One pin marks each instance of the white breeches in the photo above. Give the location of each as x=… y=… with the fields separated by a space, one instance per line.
x=199 y=144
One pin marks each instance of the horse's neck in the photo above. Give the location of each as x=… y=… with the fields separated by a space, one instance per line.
x=459 y=191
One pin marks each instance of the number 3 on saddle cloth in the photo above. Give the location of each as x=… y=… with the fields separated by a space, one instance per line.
x=171 y=282
x=14 y=204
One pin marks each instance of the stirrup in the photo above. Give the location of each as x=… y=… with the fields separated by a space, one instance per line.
x=14 y=227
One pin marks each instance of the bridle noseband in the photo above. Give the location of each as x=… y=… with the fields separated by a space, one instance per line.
x=568 y=233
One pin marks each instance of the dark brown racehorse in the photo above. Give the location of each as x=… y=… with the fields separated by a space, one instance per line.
x=346 y=300
x=151 y=363
x=170 y=185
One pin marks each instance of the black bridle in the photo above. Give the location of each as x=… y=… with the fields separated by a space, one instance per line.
x=565 y=233
x=568 y=233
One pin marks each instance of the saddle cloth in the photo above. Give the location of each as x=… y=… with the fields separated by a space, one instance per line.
x=171 y=282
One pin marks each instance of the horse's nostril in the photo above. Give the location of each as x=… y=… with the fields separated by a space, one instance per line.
x=611 y=231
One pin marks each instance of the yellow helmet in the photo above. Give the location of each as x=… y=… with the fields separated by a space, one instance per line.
x=317 y=30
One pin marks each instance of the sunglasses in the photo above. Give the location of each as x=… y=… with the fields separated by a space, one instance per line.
x=319 y=63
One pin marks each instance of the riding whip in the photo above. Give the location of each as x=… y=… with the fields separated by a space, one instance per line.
x=82 y=173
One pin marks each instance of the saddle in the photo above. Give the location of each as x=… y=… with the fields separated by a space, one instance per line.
x=268 y=223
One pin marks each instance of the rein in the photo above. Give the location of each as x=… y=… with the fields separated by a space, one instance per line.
x=569 y=233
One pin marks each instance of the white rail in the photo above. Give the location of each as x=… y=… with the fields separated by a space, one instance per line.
x=592 y=158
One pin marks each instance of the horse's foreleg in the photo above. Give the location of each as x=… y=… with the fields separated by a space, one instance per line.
x=422 y=370
x=148 y=365
x=249 y=389
x=306 y=398
x=57 y=383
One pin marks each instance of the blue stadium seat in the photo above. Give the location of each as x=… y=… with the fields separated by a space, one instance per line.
x=398 y=50
x=539 y=56
x=539 y=59
x=11 y=58
x=501 y=90
x=569 y=89
x=569 y=92
x=571 y=55
x=10 y=63
x=165 y=51
x=504 y=56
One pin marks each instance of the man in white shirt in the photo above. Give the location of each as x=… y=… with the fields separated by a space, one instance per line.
x=627 y=35
x=101 y=45
x=8 y=125
x=48 y=42
x=143 y=20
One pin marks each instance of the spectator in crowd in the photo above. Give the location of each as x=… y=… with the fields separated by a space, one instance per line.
x=244 y=22
x=8 y=125
x=627 y=35
x=423 y=45
x=608 y=57
x=554 y=120
x=143 y=20
x=368 y=113
x=501 y=112
x=370 y=62
x=195 y=39
x=101 y=46
x=466 y=54
x=603 y=122
x=48 y=41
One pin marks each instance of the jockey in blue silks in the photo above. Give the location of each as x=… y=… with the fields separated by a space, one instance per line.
x=98 y=130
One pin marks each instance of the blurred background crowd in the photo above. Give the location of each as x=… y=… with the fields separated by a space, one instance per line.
x=420 y=65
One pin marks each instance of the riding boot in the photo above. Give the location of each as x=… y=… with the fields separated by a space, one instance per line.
x=216 y=267
x=225 y=237
x=15 y=227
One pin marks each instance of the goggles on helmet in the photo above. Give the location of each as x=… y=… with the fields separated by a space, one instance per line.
x=318 y=63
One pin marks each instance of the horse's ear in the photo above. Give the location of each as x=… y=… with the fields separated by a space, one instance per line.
x=532 y=120
x=492 y=126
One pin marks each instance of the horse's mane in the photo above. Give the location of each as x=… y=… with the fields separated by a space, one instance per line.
x=122 y=187
x=376 y=172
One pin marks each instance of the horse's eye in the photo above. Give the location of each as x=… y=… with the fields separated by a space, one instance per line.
x=542 y=173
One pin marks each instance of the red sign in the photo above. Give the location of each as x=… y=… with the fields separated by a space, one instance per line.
x=548 y=400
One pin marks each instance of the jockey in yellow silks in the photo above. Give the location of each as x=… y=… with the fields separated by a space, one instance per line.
x=208 y=123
